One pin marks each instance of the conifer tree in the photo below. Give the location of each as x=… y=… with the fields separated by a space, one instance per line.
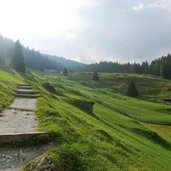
x=132 y=90
x=95 y=76
x=17 y=61
x=65 y=71
x=2 y=60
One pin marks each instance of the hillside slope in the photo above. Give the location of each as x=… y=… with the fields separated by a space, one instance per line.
x=116 y=134
x=36 y=60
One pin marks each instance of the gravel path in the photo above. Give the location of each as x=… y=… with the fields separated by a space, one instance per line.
x=13 y=159
x=19 y=117
x=17 y=121
x=24 y=103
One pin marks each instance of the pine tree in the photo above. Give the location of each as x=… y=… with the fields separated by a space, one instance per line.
x=17 y=61
x=132 y=90
x=162 y=70
x=2 y=60
x=95 y=76
x=65 y=71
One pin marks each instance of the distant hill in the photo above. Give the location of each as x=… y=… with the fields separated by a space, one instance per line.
x=36 y=60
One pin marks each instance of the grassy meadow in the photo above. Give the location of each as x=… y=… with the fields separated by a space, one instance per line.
x=121 y=133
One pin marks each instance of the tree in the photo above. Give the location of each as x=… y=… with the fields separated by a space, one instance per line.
x=132 y=90
x=65 y=71
x=162 y=70
x=2 y=60
x=145 y=67
x=17 y=60
x=95 y=76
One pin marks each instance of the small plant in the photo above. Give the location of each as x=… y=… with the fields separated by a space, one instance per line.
x=95 y=76
x=132 y=90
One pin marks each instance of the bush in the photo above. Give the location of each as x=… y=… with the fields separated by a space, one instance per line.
x=132 y=90
x=65 y=71
x=95 y=76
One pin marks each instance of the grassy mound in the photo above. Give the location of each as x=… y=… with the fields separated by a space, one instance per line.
x=81 y=104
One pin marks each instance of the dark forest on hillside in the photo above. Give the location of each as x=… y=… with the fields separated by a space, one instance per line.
x=36 y=60
x=158 y=67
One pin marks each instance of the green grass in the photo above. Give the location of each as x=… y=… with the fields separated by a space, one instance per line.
x=8 y=83
x=109 y=138
x=163 y=130
x=119 y=134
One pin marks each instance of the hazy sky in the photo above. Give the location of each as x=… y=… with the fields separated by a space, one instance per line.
x=90 y=30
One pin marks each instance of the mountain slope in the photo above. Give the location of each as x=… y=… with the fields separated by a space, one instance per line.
x=37 y=60
x=115 y=135
x=105 y=139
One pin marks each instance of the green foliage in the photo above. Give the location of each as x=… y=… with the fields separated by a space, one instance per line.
x=65 y=71
x=8 y=83
x=18 y=61
x=132 y=90
x=36 y=60
x=119 y=68
x=95 y=76
x=158 y=67
x=162 y=67
x=2 y=58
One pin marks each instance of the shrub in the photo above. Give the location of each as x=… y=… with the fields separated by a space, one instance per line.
x=132 y=90
x=95 y=76
x=65 y=71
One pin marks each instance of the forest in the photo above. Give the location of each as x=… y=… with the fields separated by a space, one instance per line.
x=158 y=67
x=36 y=60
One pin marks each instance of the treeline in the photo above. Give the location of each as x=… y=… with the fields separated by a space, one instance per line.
x=34 y=59
x=117 y=67
x=162 y=67
x=158 y=67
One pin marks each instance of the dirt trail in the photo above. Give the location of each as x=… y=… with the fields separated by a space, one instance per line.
x=19 y=117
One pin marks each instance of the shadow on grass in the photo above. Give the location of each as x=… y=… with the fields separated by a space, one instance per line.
x=153 y=137
x=35 y=140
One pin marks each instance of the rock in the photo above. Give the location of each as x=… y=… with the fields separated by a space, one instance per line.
x=8 y=157
x=50 y=88
x=15 y=155
x=44 y=164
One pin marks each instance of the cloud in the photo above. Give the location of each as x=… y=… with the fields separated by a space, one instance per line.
x=91 y=30
x=138 y=7
x=156 y=4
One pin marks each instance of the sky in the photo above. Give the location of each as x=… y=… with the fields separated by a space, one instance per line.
x=90 y=30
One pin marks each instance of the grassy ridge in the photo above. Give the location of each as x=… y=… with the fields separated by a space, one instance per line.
x=109 y=138
x=115 y=136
